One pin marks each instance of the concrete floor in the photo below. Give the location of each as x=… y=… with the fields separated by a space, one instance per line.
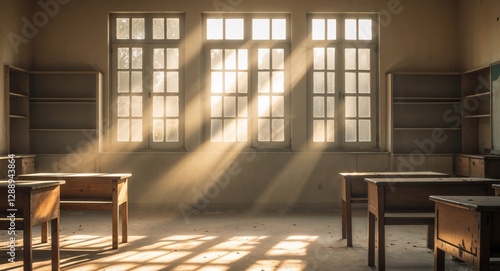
x=226 y=241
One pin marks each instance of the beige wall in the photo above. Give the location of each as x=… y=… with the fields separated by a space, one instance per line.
x=414 y=36
x=479 y=33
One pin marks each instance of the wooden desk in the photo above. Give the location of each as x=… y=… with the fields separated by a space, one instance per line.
x=94 y=192
x=467 y=228
x=497 y=189
x=35 y=203
x=354 y=190
x=405 y=201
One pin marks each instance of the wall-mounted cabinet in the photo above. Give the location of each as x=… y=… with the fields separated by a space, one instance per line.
x=17 y=109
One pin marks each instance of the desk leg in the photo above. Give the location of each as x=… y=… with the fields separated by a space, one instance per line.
x=430 y=237
x=54 y=234
x=115 y=224
x=371 y=239
x=27 y=246
x=344 y=207
x=45 y=231
x=348 y=216
x=439 y=259
x=125 y=222
x=381 y=242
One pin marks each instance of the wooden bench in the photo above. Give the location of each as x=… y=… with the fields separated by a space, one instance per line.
x=93 y=192
x=467 y=228
x=354 y=190
x=35 y=203
x=497 y=189
x=409 y=199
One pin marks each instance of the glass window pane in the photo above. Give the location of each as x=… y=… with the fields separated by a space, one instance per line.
x=330 y=58
x=264 y=59
x=350 y=131
x=242 y=59
x=138 y=29
x=364 y=59
x=136 y=82
x=351 y=107
x=123 y=28
x=216 y=59
x=365 y=134
x=364 y=82
x=123 y=82
x=364 y=107
x=350 y=29
x=234 y=29
x=230 y=82
x=318 y=107
x=172 y=106
x=123 y=106
x=264 y=130
x=230 y=130
x=172 y=82
x=330 y=107
x=319 y=131
x=172 y=58
x=217 y=82
x=278 y=106
x=330 y=82
x=242 y=107
x=242 y=82
x=263 y=83
x=123 y=130
x=159 y=82
x=365 y=29
x=263 y=106
x=158 y=106
x=260 y=29
x=173 y=29
x=136 y=130
x=319 y=82
x=242 y=130
x=216 y=107
x=278 y=59
x=216 y=130
x=350 y=82
x=319 y=58
x=278 y=130
x=230 y=107
x=158 y=30
x=330 y=130
x=159 y=58
x=318 y=29
x=279 y=29
x=350 y=59
x=230 y=59
x=214 y=29
x=278 y=82
x=172 y=130
x=123 y=58
x=136 y=58
x=332 y=29
x=158 y=130
x=136 y=106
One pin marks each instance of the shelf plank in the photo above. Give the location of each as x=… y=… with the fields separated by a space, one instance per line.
x=18 y=117
x=62 y=130
x=426 y=98
x=477 y=116
x=15 y=94
x=478 y=95
x=60 y=99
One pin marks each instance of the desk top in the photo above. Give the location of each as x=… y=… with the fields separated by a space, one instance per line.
x=477 y=203
x=393 y=173
x=36 y=176
x=32 y=184
x=496 y=186
x=428 y=181
x=17 y=156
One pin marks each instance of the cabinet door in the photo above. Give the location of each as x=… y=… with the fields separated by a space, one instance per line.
x=477 y=167
x=461 y=165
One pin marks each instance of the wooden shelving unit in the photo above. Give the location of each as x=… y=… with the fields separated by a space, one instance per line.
x=64 y=108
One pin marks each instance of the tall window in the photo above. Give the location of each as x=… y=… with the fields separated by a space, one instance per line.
x=343 y=77
x=146 y=60
x=247 y=79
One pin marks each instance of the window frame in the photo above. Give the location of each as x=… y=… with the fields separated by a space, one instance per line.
x=340 y=44
x=148 y=44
